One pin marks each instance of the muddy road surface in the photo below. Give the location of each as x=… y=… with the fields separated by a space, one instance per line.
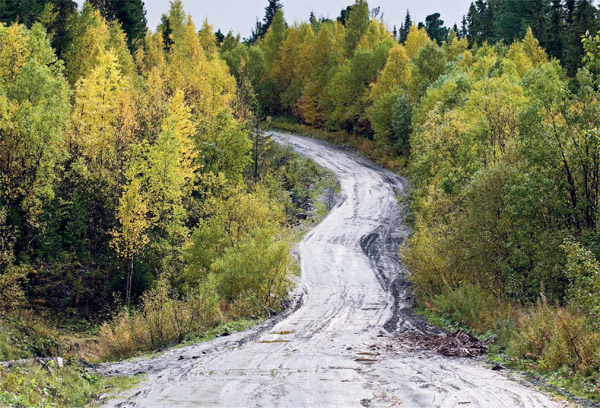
x=330 y=348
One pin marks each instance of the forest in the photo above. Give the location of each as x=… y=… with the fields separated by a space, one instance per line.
x=142 y=203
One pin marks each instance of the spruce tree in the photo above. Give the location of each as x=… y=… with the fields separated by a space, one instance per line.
x=405 y=28
x=270 y=11
x=54 y=14
x=556 y=30
x=131 y=14
x=261 y=28
x=464 y=28
x=581 y=17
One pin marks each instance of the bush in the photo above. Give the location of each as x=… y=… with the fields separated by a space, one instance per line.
x=24 y=335
x=584 y=272
x=163 y=320
x=470 y=306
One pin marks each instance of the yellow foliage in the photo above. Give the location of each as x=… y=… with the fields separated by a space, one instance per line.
x=13 y=52
x=417 y=38
x=132 y=211
x=396 y=72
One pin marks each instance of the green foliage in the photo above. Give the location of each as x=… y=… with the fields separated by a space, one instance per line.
x=391 y=119
x=73 y=386
x=583 y=271
x=356 y=26
x=130 y=14
x=34 y=101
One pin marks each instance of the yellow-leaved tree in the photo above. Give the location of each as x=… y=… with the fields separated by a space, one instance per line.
x=131 y=237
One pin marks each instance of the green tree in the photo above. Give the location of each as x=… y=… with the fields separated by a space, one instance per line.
x=34 y=101
x=261 y=29
x=356 y=26
x=435 y=28
x=405 y=28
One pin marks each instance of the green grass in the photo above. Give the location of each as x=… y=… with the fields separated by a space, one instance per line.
x=70 y=386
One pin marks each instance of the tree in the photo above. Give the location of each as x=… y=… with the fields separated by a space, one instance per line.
x=34 y=106
x=261 y=29
x=131 y=14
x=271 y=46
x=427 y=66
x=390 y=118
x=583 y=20
x=356 y=26
x=555 y=30
x=131 y=236
x=98 y=138
x=344 y=15
x=405 y=28
x=396 y=72
x=417 y=38
x=435 y=28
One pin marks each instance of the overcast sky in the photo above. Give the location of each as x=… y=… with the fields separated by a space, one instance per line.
x=240 y=15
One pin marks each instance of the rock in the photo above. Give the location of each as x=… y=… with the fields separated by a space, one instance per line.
x=498 y=367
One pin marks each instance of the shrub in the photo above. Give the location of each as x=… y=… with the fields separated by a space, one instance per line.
x=583 y=271
x=162 y=320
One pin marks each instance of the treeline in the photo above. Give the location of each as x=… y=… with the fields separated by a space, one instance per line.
x=504 y=161
x=324 y=72
x=136 y=165
x=558 y=24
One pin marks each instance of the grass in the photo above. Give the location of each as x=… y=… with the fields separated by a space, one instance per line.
x=70 y=386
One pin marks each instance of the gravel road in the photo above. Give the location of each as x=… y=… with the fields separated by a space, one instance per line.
x=330 y=348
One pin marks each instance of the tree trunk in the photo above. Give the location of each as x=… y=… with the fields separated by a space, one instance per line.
x=129 y=276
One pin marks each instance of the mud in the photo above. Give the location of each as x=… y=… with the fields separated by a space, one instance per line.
x=331 y=348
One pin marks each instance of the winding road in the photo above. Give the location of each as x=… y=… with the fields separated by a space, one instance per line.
x=329 y=348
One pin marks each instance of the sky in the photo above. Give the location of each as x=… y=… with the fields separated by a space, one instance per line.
x=240 y=15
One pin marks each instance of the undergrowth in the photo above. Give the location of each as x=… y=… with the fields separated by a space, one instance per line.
x=70 y=386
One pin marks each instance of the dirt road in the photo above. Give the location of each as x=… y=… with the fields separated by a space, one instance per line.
x=329 y=349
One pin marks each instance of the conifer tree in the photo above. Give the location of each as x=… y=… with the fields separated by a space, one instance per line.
x=555 y=30
x=405 y=27
x=130 y=13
